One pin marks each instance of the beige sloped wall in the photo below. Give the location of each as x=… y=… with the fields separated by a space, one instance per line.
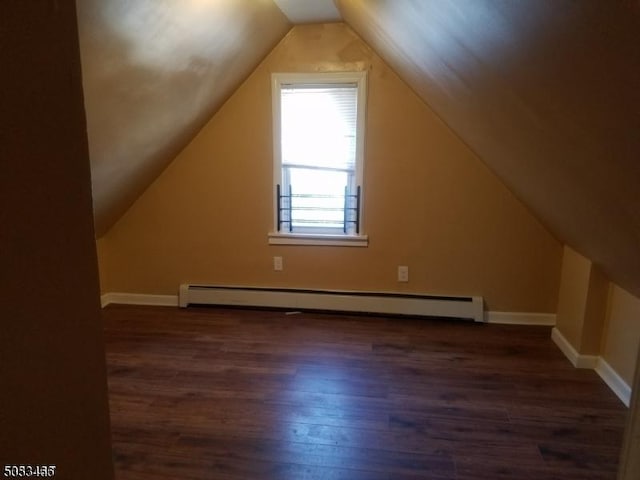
x=429 y=202
x=622 y=332
x=545 y=93
x=154 y=71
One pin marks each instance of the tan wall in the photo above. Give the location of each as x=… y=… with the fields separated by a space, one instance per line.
x=574 y=287
x=429 y=203
x=582 y=302
x=53 y=395
x=622 y=335
x=629 y=468
x=598 y=317
x=595 y=312
x=103 y=261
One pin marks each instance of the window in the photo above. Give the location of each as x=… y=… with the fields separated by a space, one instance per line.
x=318 y=158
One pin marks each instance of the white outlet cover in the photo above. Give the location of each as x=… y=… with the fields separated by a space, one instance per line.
x=403 y=273
x=277 y=264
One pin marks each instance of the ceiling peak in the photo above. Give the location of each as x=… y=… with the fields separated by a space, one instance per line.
x=309 y=11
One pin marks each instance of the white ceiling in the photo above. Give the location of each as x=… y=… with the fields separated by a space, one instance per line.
x=309 y=11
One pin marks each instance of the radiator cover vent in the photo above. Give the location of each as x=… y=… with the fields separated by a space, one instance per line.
x=334 y=300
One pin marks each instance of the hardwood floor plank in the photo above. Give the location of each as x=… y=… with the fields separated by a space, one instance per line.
x=229 y=394
x=317 y=455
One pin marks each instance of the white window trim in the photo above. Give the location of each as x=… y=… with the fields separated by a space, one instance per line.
x=279 y=79
x=276 y=238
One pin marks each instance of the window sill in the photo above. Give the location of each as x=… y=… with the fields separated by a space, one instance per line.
x=318 y=239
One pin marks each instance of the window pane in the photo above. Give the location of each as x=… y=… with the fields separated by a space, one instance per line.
x=318 y=126
x=318 y=198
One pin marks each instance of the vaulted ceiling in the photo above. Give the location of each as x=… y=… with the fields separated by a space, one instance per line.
x=546 y=92
x=154 y=71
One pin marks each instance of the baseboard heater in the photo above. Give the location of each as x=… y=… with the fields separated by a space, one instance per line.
x=334 y=300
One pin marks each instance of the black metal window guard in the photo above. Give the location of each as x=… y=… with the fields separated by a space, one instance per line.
x=285 y=210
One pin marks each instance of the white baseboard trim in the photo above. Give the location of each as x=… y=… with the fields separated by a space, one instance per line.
x=521 y=318
x=139 y=299
x=614 y=381
x=577 y=360
x=594 y=362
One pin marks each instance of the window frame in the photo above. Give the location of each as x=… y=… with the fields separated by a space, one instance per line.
x=278 y=80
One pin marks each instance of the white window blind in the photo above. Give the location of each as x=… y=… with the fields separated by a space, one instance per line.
x=319 y=126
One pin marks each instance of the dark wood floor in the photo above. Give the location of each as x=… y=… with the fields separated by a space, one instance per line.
x=228 y=394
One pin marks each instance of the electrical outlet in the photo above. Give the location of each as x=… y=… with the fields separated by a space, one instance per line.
x=277 y=264
x=403 y=273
